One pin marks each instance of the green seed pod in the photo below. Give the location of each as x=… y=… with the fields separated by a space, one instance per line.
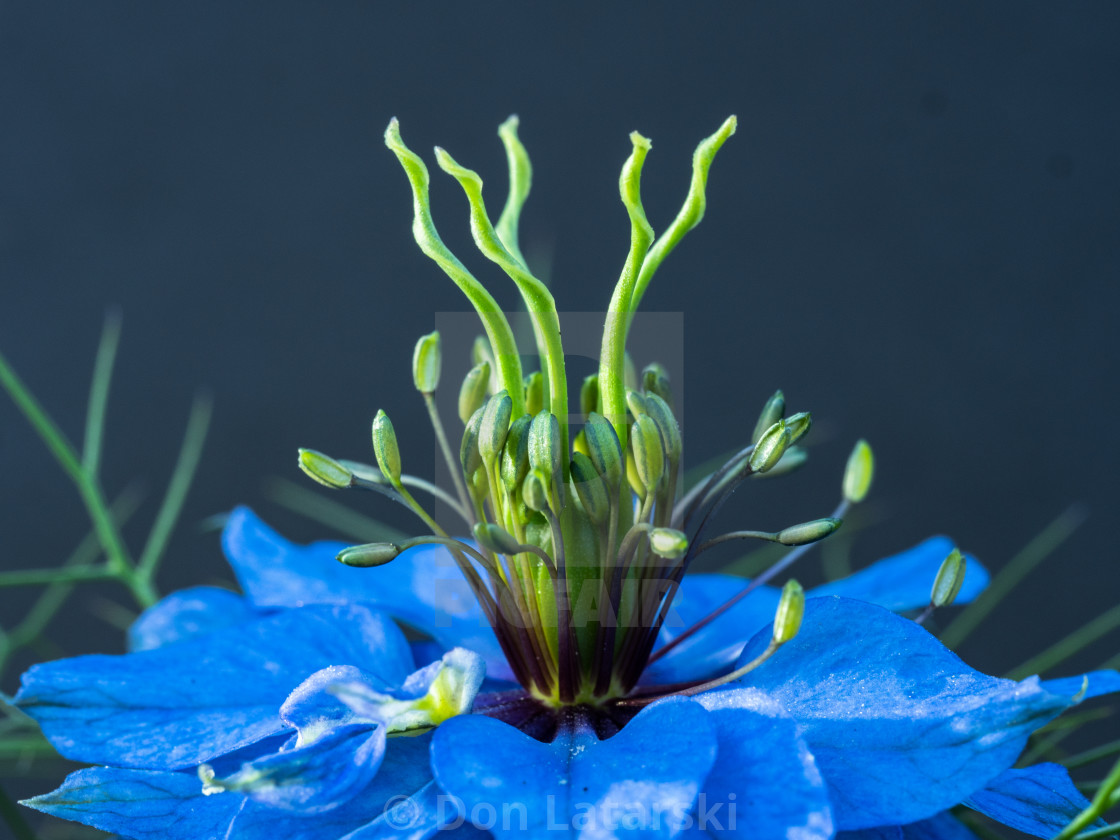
x=649 y=455
x=496 y=539
x=950 y=577
x=798 y=424
x=544 y=445
x=668 y=543
x=515 y=454
x=385 y=448
x=372 y=554
x=589 y=394
x=590 y=488
x=791 y=608
x=603 y=449
x=808 y=532
x=324 y=469
x=772 y=412
x=655 y=380
x=858 y=473
x=469 y=457
x=534 y=393
x=534 y=491
x=426 y=363
x=769 y=447
x=494 y=427
x=472 y=393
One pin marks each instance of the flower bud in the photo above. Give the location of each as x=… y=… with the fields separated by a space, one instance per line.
x=649 y=455
x=324 y=469
x=472 y=393
x=636 y=402
x=372 y=554
x=950 y=577
x=603 y=449
x=534 y=491
x=385 y=448
x=534 y=393
x=808 y=532
x=496 y=539
x=426 y=363
x=668 y=543
x=655 y=380
x=589 y=394
x=494 y=427
x=858 y=473
x=791 y=608
x=515 y=454
x=798 y=424
x=772 y=412
x=590 y=488
x=768 y=449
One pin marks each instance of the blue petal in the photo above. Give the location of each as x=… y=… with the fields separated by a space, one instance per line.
x=900 y=582
x=1100 y=682
x=765 y=784
x=188 y=613
x=903 y=581
x=423 y=586
x=140 y=804
x=900 y=727
x=643 y=782
x=183 y=704
x=404 y=770
x=943 y=826
x=1038 y=800
x=418 y=817
x=314 y=777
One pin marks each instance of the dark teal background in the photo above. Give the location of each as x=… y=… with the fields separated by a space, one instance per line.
x=914 y=233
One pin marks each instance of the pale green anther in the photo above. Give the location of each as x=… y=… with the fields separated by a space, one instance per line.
x=791 y=609
x=590 y=488
x=472 y=393
x=544 y=445
x=655 y=380
x=604 y=449
x=769 y=447
x=426 y=363
x=481 y=351
x=662 y=414
x=515 y=454
x=630 y=373
x=791 y=460
x=636 y=402
x=772 y=412
x=496 y=539
x=668 y=543
x=858 y=473
x=534 y=490
x=798 y=424
x=494 y=427
x=324 y=469
x=950 y=577
x=372 y=554
x=534 y=393
x=385 y=448
x=589 y=394
x=649 y=455
x=469 y=457
x=808 y=532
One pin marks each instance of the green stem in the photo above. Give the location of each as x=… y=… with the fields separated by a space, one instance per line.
x=424 y=230
x=99 y=391
x=452 y=462
x=1102 y=801
x=1103 y=831
x=40 y=577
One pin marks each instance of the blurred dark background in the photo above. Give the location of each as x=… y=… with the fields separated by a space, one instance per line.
x=913 y=234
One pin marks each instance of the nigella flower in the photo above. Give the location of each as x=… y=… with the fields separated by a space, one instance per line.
x=573 y=679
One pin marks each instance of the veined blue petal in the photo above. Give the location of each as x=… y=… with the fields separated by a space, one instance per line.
x=903 y=581
x=423 y=586
x=1099 y=683
x=943 y=826
x=186 y=614
x=1038 y=800
x=900 y=582
x=900 y=728
x=643 y=782
x=313 y=777
x=404 y=771
x=183 y=704
x=765 y=784
x=140 y=804
x=418 y=817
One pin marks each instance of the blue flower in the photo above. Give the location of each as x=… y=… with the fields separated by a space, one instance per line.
x=295 y=698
